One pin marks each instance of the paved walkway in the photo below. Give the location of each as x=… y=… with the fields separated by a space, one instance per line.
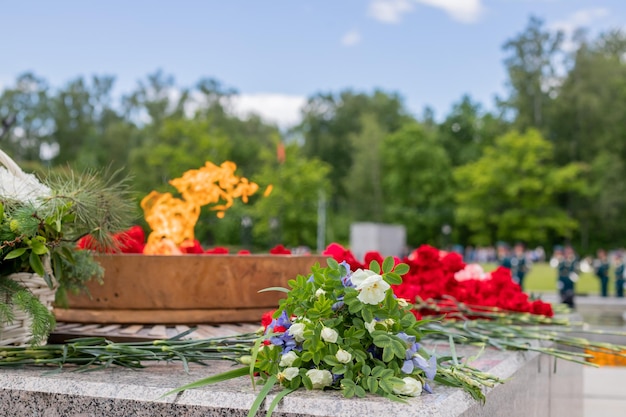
x=604 y=391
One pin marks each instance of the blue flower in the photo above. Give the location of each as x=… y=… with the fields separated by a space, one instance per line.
x=282 y=337
x=345 y=279
x=415 y=360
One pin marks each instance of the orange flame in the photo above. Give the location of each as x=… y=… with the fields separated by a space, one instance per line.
x=173 y=220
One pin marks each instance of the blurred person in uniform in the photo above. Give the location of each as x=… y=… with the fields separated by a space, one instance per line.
x=619 y=275
x=520 y=265
x=557 y=256
x=504 y=255
x=567 y=276
x=601 y=268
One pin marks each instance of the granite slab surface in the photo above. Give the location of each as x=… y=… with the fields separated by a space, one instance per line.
x=531 y=390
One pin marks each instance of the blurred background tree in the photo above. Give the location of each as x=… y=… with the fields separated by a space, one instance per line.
x=544 y=165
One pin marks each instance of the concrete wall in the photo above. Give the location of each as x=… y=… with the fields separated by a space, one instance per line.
x=388 y=239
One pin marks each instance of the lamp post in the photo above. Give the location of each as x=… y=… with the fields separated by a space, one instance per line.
x=446 y=230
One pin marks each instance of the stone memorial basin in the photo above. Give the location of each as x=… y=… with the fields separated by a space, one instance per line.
x=185 y=289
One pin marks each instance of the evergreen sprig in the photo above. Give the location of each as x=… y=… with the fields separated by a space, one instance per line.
x=44 y=230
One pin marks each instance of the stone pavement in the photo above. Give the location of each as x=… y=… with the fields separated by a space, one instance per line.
x=604 y=391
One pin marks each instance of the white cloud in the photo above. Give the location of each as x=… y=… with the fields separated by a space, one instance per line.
x=391 y=11
x=577 y=20
x=282 y=109
x=466 y=11
x=351 y=38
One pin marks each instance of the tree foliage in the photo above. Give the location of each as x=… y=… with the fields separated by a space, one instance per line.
x=417 y=183
x=511 y=192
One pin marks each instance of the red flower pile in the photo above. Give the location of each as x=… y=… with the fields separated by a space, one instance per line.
x=133 y=240
x=432 y=278
x=130 y=241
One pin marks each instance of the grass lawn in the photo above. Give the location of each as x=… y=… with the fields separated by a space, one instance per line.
x=542 y=278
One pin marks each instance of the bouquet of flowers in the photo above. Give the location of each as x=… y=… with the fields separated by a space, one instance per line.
x=346 y=330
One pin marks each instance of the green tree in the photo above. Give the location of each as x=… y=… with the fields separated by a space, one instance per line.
x=587 y=125
x=363 y=183
x=532 y=74
x=289 y=214
x=330 y=119
x=179 y=145
x=25 y=118
x=418 y=188
x=511 y=192
x=467 y=130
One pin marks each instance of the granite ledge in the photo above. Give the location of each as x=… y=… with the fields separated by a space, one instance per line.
x=118 y=391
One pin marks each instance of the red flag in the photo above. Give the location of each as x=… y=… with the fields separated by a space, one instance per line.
x=280 y=152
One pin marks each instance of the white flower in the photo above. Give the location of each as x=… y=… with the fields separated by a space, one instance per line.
x=389 y=322
x=411 y=387
x=290 y=373
x=288 y=358
x=361 y=275
x=343 y=356
x=329 y=335
x=320 y=378
x=25 y=188
x=297 y=331
x=372 y=289
x=319 y=292
x=371 y=326
x=402 y=302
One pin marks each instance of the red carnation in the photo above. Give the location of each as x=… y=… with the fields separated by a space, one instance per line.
x=280 y=250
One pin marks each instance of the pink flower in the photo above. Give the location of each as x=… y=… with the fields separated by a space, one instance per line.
x=471 y=271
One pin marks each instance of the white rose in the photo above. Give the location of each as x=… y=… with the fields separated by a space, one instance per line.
x=290 y=373
x=320 y=378
x=411 y=387
x=288 y=358
x=372 y=290
x=297 y=331
x=361 y=275
x=319 y=292
x=402 y=302
x=371 y=326
x=343 y=356
x=329 y=335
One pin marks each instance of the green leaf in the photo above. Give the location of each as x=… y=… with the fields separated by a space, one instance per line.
x=15 y=253
x=254 y=353
x=277 y=399
x=224 y=376
x=401 y=269
x=35 y=262
x=388 y=264
x=360 y=392
x=387 y=354
x=307 y=382
x=333 y=264
x=375 y=267
x=366 y=370
x=393 y=278
x=271 y=381
x=386 y=386
x=372 y=384
x=279 y=289
x=348 y=387
x=39 y=247
x=377 y=371
x=331 y=360
x=367 y=315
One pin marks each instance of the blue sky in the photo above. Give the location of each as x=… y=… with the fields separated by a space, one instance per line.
x=278 y=52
